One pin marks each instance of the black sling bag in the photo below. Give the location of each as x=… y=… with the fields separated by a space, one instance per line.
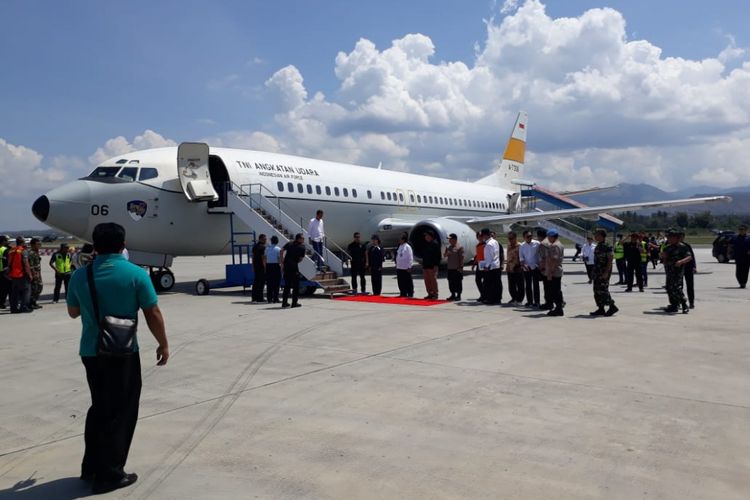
x=116 y=335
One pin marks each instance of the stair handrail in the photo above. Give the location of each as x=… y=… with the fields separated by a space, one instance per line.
x=287 y=218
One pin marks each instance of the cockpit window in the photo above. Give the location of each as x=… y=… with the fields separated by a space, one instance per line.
x=120 y=162
x=148 y=173
x=128 y=173
x=104 y=172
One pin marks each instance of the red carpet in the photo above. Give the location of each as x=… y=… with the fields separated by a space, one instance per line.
x=381 y=299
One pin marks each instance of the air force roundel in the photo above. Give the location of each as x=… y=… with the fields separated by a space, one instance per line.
x=137 y=209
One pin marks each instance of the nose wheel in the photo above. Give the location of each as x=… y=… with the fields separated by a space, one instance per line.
x=163 y=279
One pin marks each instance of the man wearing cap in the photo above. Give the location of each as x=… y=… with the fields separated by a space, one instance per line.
x=490 y=266
x=675 y=257
x=454 y=252
x=741 y=246
x=602 y=272
x=553 y=270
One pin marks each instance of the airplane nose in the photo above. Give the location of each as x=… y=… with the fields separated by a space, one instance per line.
x=40 y=208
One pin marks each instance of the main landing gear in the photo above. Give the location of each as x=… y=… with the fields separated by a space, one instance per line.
x=162 y=278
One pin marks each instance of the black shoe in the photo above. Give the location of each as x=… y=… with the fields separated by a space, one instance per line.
x=742 y=286
x=685 y=308
x=612 y=310
x=628 y=289
x=598 y=312
x=296 y=305
x=87 y=476
x=36 y=306
x=451 y=298
x=528 y=304
x=3 y=306
x=671 y=309
x=692 y=306
x=100 y=487
x=458 y=297
x=284 y=305
x=545 y=307
x=556 y=312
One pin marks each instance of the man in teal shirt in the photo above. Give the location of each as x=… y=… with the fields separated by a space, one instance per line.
x=122 y=289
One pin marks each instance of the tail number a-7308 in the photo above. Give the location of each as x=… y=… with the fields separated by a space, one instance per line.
x=102 y=210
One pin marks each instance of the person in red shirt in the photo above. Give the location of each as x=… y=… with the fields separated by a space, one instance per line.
x=20 y=275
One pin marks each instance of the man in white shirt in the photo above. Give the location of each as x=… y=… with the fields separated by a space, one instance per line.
x=316 y=233
x=491 y=266
x=587 y=255
x=529 y=253
x=404 y=263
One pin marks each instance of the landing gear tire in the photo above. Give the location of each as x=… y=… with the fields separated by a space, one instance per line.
x=163 y=280
x=202 y=287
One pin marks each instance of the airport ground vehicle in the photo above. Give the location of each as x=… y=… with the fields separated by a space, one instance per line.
x=722 y=246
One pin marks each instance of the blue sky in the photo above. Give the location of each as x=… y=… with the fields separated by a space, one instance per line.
x=80 y=73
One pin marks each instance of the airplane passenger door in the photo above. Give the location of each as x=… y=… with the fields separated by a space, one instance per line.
x=192 y=169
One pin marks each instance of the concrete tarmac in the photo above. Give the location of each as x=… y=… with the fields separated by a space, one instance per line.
x=355 y=400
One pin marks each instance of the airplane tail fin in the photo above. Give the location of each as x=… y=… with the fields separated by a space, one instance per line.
x=512 y=163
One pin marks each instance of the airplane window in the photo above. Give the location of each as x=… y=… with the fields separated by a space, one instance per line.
x=280 y=186
x=290 y=187
x=395 y=197
x=148 y=173
x=411 y=197
x=336 y=191
x=328 y=191
x=318 y=190
x=103 y=172
x=382 y=195
x=346 y=192
x=354 y=193
x=300 y=188
x=389 y=196
x=401 y=196
x=369 y=194
x=430 y=199
x=419 y=198
x=309 y=189
x=129 y=173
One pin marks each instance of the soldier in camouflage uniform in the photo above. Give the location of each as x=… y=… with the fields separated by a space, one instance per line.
x=675 y=255
x=603 y=255
x=35 y=263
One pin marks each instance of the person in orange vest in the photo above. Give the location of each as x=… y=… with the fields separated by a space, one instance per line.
x=19 y=272
x=62 y=263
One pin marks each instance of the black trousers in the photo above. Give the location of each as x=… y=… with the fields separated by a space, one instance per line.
x=532 y=286
x=291 y=284
x=634 y=270
x=547 y=296
x=20 y=294
x=359 y=272
x=589 y=271
x=690 y=285
x=622 y=269
x=59 y=280
x=259 y=282
x=492 y=286
x=273 y=278
x=455 y=282
x=479 y=280
x=405 y=283
x=376 y=276
x=115 y=386
x=4 y=290
x=741 y=271
x=500 y=284
x=516 y=286
x=555 y=290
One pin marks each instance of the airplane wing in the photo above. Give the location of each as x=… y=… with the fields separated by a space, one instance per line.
x=585 y=211
x=594 y=189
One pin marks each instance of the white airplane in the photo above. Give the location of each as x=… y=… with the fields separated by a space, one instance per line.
x=174 y=201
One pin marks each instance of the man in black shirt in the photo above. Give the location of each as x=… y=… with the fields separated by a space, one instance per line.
x=430 y=262
x=358 y=252
x=375 y=258
x=633 y=250
x=259 y=268
x=294 y=252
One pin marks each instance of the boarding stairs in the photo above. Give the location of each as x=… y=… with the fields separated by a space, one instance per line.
x=531 y=193
x=264 y=212
x=566 y=229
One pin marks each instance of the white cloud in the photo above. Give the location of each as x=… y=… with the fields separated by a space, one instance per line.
x=603 y=108
x=119 y=145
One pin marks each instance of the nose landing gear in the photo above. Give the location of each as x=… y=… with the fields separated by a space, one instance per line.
x=162 y=278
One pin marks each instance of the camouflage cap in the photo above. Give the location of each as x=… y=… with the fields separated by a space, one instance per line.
x=672 y=232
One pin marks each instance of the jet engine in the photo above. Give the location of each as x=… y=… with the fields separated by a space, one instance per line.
x=441 y=228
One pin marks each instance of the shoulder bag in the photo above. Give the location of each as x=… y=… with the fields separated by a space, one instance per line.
x=116 y=335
